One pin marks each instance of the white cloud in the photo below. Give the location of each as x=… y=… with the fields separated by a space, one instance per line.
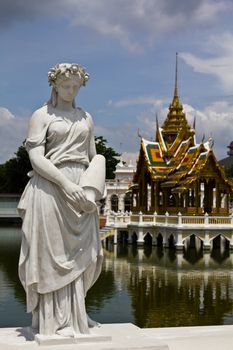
x=220 y=64
x=139 y=100
x=12 y=133
x=140 y=23
x=215 y=121
x=134 y=23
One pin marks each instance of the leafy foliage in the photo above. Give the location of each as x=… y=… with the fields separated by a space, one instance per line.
x=109 y=153
x=13 y=173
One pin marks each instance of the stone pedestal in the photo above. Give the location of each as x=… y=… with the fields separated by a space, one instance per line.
x=79 y=339
x=125 y=336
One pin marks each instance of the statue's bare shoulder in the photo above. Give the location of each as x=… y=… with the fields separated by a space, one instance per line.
x=89 y=119
x=39 y=120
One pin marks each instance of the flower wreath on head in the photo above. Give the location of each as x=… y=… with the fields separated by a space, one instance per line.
x=67 y=69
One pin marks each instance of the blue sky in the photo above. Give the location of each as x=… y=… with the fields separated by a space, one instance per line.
x=128 y=47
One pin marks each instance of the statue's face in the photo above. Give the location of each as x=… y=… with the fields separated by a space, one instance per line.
x=67 y=89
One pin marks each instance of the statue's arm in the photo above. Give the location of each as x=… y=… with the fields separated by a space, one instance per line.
x=44 y=166
x=92 y=148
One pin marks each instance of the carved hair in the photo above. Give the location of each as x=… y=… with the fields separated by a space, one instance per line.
x=65 y=71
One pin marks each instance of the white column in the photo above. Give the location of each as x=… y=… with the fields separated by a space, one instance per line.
x=206 y=219
x=206 y=245
x=122 y=202
x=140 y=240
x=179 y=215
x=231 y=242
x=154 y=239
x=115 y=236
x=179 y=241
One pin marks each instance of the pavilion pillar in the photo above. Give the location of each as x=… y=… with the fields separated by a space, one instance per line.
x=218 y=197
x=228 y=200
x=157 y=197
x=211 y=191
x=197 y=195
x=140 y=201
x=137 y=199
x=145 y=193
x=165 y=205
x=186 y=199
x=193 y=197
x=152 y=194
x=207 y=245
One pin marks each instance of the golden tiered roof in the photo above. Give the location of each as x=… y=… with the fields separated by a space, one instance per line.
x=175 y=128
x=175 y=159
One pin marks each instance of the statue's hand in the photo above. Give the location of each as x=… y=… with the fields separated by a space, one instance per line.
x=75 y=192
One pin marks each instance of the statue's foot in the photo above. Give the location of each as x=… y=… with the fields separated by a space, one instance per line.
x=66 y=332
x=91 y=323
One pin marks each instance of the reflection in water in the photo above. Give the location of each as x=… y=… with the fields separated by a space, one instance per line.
x=147 y=286
x=12 y=296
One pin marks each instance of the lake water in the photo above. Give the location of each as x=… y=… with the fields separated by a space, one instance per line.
x=147 y=286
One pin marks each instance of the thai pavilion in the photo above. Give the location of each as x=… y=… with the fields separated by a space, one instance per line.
x=176 y=174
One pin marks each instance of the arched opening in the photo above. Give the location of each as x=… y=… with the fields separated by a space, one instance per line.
x=114 y=203
x=217 y=242
x=171 y=241
x=123 y=236
x=148 y=239
x=220 y=242
x=194 y=242
x=220 y=251
x=159 y=240
x=127 y=202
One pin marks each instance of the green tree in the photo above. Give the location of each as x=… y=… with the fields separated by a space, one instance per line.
x=109 y=153
x=13 y=173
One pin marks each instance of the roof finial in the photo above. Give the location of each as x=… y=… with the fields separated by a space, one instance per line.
x=176 y=77
x=139 y=134
x=157 y=121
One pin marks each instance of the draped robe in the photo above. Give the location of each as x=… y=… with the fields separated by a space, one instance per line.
x=61 y=252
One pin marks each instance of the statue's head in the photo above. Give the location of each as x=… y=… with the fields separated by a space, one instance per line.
x=63 y=72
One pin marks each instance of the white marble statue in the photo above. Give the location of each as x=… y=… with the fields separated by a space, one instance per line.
x=61 y=252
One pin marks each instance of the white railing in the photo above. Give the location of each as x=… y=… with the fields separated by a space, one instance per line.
x=123 y=219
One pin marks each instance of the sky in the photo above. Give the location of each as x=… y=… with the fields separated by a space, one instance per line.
x=129 y=49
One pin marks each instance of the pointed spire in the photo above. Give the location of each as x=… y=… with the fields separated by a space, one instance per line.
x=176 y=78
x=157 y=121
x=157 y=127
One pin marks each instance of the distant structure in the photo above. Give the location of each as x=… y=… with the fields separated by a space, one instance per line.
x=119 y=196
x=176 y=174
